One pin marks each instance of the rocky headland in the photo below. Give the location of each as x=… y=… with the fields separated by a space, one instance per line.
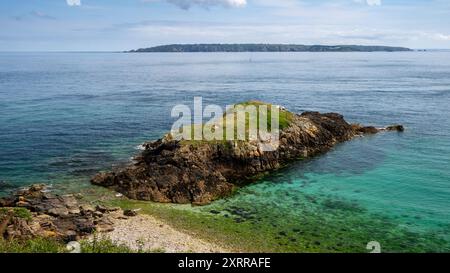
x=199 y=172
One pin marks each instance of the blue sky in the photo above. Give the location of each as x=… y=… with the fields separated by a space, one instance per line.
x=93 y=25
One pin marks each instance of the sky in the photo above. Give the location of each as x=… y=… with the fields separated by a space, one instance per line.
x=113 y=25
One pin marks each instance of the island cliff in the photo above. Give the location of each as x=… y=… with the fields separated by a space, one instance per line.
x=173 y=171
x=266 y=48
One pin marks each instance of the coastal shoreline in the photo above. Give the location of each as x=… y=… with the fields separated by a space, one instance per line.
x=34 y=213
x=69 y=217
x=147 y=233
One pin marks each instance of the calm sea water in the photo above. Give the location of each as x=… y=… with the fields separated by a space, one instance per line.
x=65 y=116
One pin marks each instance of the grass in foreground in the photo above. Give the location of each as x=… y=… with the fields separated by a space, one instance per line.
x=37 y=245
x=43 y=245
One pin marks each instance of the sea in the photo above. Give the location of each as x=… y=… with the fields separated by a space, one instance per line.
x=66 y=116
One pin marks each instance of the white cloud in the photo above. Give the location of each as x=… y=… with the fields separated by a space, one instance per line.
x=370 y=2
x=73 y=2
x=374 y=2
x=442 y=37
x=186 y=4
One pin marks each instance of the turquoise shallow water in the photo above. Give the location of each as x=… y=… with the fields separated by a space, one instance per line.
x=64 y=117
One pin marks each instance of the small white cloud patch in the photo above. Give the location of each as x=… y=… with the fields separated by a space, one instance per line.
x=442 y=37
x=374 y=2
x=73 y=2
x=370 y=2
x=186 y=4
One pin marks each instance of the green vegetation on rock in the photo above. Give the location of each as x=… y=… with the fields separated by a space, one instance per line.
x=15 y=212
x=230 y=119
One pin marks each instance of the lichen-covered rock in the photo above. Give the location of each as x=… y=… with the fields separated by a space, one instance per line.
x=200 y=172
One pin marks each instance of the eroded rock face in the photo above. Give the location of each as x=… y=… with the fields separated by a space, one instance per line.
x=33 y=212
x=179 y=172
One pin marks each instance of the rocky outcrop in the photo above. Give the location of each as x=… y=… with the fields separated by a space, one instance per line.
x=200 y=172
x=34 y=212
x=373 y=130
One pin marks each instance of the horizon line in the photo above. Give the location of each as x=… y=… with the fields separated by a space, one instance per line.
x=126 y=51
x=213 y=43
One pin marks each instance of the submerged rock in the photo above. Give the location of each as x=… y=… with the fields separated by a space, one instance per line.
x=199 y=172
x=368 y=130
x=5 y=185
x=398 y=128
x=373 y=130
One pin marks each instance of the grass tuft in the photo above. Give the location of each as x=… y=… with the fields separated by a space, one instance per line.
x=16 y=212
x=36 y=245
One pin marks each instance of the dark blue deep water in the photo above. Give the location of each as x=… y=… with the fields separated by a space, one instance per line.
x=65 y=116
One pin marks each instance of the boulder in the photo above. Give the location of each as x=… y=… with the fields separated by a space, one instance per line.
x=398 y=128
x=130 y=213
x=368 y=130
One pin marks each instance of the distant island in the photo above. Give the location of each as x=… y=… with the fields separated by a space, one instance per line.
x=266 y=48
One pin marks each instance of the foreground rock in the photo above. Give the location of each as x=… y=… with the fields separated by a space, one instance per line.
x=34 y=212
x=200 y=172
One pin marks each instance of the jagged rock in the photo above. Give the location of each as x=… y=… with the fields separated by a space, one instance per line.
x=58 y=212
x=105 y=228
x=6 y=202
x=86 y=209
x=130 y=213
x=22 y=204
x=97 y=214
x=398 y=128
x=5 y=218
x=36 y=188
x=69 y=201
x=368 y=130
x=104 y=209
x=373 y=130
x=33 y=212
x=174 y=171
x=74 y=211
x=19 y=228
